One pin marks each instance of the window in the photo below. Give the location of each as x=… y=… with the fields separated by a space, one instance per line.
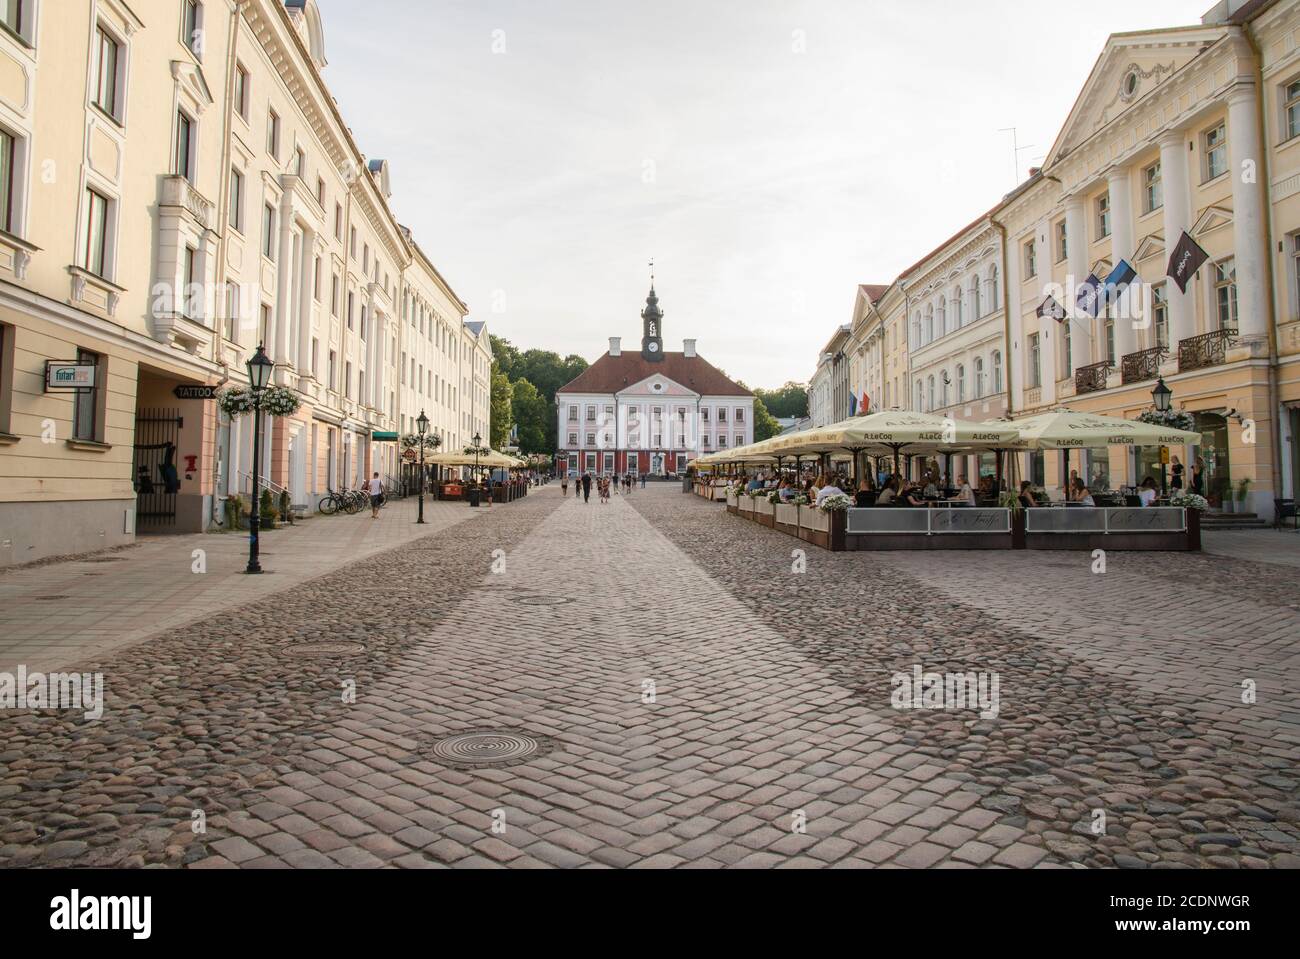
x=315 y=280
x=299 y=162
x=1225 y=294
x=704 y=412
x=1153 y=190
x=351 y=306
x=352 y=243
x=188 y=293
x=1215 y=142
x=722 y=415
x=241 y=91
x=993 y=288
x=86 y=417
x=330 y=371
x=944 y=383
x=8 y=180
x=6 y=376
x=1031 y=259
x=929 y=393
x=183 y=161
x=1160 y=315
x=979 y=377
x=264 y=325
x=961 y=383
x=573 y=439
x=1035 y=367
x=1110 y=339
x=958 y=308
x=722 y=441
x=11 y=16
x=237 y=200
x=273 y=134
x=1067 y=346
x=997 y=370
x=976 y=304
x=192 y=27
x=920 y=397
x=268 y=232
x=108 y=74
x=591 y=414
x=232 y=312
x=1103 y=216
x=320 y=191
x=740 y=415
x=334 y=296
x=95 y=254
x=1062 y=242
x=591 y=439
x=740 y=440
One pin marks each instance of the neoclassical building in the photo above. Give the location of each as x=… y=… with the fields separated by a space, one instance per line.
x=180 y=186
x=649 y=411
x=1184 y=131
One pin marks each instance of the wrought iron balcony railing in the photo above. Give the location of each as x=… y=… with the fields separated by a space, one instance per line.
x=1142 y=365
x=1091 y=379
x=1208 y=349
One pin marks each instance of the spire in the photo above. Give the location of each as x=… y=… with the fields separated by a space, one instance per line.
x=652 y=343
x=652 y=310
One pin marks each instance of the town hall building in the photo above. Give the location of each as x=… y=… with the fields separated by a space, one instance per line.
x=649 y=412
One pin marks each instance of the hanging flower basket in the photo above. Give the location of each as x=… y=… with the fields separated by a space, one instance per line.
x=835 y=504
x=411 y=441
x=1175 y=419
x=276 y=401
x=1189 y=501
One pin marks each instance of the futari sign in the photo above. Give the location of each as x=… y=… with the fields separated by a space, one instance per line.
x=69 y=376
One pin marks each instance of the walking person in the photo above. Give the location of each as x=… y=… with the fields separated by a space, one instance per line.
x=564 y=485
x=586 y=487
x=643 y=480
x=376 y=490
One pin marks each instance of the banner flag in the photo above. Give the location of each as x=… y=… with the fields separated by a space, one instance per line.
x=1187 y=258
x=1089 y=298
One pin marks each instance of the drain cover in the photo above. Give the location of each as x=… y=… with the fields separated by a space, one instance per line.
x=104 y=559
x=325 y=649
x=486 y=748
x=50 y=599
x=542 y=600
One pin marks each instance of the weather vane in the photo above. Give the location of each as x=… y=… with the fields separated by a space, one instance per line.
x=652 y=272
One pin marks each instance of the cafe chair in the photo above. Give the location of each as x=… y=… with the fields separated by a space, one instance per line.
x=1284 y=509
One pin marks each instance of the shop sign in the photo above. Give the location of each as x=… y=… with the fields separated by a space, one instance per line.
x=69 y=375
x=195 y=392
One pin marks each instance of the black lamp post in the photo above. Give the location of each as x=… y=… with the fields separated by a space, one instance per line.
x=260 y=368
x=478 y=447
x=1163 y=397
x=422 y=424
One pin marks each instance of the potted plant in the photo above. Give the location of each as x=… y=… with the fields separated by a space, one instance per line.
x=1223 y=490
x=1243 y=494
x=286 y=507
x=269 y=513
x=233 y=509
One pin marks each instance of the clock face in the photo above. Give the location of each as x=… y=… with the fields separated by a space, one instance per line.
x=653 y=347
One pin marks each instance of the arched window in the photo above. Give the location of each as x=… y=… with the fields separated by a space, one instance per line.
x=976 y=306
x=997 y=371
x=943 y=316
x=920 y=397
x=993 y=288
x=943 y=388
x=958 y=307
x=929 y=325
x=930 y=385
x=961 y=383
x=979 y=377
x=916 y=331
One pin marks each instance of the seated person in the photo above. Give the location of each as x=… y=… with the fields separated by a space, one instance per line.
x=786 y=491
x=888 y=495
x=827 y=491
x=965 y=495
x=1085 y=497
x=1026 y=496
x=1147 y=494
x=931 y=490
x=863 y=499
x=914 y=496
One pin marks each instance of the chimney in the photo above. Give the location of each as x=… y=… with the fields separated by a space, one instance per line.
x=688 y=347
x=615 y=346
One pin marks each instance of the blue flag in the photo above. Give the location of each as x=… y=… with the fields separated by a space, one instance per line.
x=1089 y=298
x=1119 y=280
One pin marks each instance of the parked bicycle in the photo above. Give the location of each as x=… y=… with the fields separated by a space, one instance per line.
x=347 y=501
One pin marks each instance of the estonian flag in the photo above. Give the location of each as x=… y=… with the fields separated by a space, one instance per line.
x=1119 y=280
x=1089 y=298
x=1187 y=258
x=1049 y=307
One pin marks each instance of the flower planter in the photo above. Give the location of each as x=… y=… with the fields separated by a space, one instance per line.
x=787 y=516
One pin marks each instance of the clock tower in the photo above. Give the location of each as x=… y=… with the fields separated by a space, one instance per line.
x=652 y=339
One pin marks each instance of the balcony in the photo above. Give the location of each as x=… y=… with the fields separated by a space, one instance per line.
x=179 y=193
x=1091 y=379
x=1142 y=365
x=1204 y=351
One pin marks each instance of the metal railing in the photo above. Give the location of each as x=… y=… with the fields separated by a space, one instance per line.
x=1206 y=350
x=1106 y=520
x=928 y=522
x=1091 y=379
x=1142 y=365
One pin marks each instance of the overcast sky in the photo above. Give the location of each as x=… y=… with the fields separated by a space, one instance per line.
x=769 y=154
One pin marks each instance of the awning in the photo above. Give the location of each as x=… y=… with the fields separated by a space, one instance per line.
x=1068 y=429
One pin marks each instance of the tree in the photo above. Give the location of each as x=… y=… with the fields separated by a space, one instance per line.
x=547 y=372
x=790 y=400
x=765 y=424
x=502 y=418
x=531 y=414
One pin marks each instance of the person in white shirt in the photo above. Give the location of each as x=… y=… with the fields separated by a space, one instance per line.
x=827 y=491
x=376 y=488
x=1085 y=497
x=1147 y=494
x=965 y=495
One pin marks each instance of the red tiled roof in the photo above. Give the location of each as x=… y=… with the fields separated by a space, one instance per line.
x=612 y=374
x=873 y=291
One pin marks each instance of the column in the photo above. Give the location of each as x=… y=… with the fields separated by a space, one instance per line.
x=304 y=302
x=1122 y=248
x=1248 y=230
x=1177 y=196
x=372 y=339
x=1013 y=362
x=1049 y=331
x=1081 y=329
x=284 y=269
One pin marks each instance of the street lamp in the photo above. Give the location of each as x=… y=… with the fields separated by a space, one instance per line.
x=260 y=368
x=1163 y=397
x=478 y=445
x=422 y=424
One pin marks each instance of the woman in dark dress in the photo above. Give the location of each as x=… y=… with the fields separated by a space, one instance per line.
x=1198 y=477
x=1177 y=481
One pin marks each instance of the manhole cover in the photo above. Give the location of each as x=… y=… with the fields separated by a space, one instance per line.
x=541 y=600
x=105 y=559
x=325 y=649
x=50 y=599
x=486 y=748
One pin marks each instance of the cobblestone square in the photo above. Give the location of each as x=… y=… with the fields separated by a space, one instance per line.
x=659 y=688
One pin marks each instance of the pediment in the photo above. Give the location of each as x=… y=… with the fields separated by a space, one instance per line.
x=189 y=77
x=1131 y=67
x=656 y=386
x=1212 y=218
x=1152 y=245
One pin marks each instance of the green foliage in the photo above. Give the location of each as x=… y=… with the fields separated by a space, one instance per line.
x=269 y=513
x=547 y=372
x=789 y=400
x=502 y=414
x=765 y=424
x=531 y=413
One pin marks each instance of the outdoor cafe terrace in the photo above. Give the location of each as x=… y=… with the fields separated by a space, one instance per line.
x=877 y=509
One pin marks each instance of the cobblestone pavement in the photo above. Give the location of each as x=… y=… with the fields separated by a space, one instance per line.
x=71 y=611
x=698 y=704
x=1280 y=546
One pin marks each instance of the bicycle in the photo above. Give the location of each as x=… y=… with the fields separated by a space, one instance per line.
x=331 y=503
